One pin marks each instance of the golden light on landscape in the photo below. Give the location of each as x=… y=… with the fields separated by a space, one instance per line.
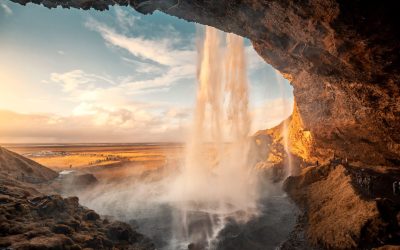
x=199 y=125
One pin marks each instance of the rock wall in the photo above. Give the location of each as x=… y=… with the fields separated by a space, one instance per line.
x=340 y=56
x=337 y=216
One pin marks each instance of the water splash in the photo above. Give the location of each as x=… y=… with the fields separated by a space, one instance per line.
x=216 y=180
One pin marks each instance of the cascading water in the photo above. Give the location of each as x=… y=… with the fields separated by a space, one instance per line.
x=216 y=179
x=289 y=169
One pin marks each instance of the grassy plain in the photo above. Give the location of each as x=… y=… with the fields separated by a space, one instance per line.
x=103 y=160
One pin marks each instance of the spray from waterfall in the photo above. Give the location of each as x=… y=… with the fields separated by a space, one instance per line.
x=207 y=199
x=289 y=168
x=216 y=178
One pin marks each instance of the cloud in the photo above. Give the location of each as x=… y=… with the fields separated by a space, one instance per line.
x=144 y=68
x=162 y=59
x=98 y=126
x=6 y=9
x=161 y=51
x=125 y=19
x=164 y=81
x=108 y=107
x=76 y=79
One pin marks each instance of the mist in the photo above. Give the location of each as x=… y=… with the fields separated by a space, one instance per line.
x=214 y=188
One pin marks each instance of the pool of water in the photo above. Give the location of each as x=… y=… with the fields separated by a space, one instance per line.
x=165 y=225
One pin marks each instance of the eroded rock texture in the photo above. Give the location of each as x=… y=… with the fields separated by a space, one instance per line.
x=342 y=58
x=31 y=219
x=339 y=213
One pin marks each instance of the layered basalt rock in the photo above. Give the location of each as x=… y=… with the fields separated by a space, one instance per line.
x=341 y=57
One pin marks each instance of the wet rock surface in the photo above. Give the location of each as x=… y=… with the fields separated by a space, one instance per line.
x=268 y=231
x=32 y=221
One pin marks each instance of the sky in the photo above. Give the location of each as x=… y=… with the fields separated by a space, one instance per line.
x=112 y=76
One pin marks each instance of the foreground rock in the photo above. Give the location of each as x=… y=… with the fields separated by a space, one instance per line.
x=337 y=215
x=30 y=219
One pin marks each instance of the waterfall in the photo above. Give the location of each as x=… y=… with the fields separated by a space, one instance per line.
x=289 y=169
x=216 y=178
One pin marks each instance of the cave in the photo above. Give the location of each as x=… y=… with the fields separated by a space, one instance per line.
x=342 y=59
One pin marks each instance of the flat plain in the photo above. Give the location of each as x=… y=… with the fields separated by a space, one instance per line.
x=105 y=161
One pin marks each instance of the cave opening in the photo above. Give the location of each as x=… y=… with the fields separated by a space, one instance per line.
x=95 y=77
x=119 y=78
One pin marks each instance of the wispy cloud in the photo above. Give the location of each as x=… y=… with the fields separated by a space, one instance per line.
x=6 y=9
x=77 y=79
x=162 y=51
x=104 y=105
x=161 y=58
x=125 y=20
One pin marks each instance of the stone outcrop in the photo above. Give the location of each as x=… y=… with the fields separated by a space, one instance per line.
x=337 y=216
x=30 y=218
x=36 y=221
x=340 y=56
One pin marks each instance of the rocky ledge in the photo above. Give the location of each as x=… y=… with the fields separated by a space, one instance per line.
x=341 y=214
x=30 y=219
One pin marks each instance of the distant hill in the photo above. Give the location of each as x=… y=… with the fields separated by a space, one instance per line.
x=24 y=169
